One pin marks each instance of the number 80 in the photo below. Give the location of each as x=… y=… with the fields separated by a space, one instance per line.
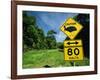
x=70 y=52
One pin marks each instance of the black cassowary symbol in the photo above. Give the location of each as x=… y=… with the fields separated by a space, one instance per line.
x=70 y=29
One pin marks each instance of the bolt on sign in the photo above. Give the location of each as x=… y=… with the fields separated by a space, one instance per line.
x=73 y=49
x=71 y=28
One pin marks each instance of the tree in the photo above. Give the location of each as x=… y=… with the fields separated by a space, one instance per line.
x=34 y=37
x=28 y=29
x=51 y=41
x=83 y=19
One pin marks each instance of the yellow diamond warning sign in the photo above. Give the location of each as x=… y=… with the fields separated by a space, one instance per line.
x=71 y=28
x=73 y=50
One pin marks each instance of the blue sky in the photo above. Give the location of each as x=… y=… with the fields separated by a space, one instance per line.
x=51 y=21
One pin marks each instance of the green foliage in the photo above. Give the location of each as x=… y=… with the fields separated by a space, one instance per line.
x=34 y=37
x=50 y=39
x=51 y=33
x=60 y=45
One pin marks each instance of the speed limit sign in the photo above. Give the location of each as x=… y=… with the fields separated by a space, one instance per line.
x=73 y=50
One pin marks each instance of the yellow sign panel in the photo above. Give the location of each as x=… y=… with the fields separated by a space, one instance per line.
x=73 y=50
x=71 y=28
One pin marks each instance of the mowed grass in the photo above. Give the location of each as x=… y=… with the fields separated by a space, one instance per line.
x=52 y=58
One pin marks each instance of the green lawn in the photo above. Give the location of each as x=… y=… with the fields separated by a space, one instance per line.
x=52 y=58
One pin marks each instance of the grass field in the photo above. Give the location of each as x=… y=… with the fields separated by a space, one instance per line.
x=52 y=58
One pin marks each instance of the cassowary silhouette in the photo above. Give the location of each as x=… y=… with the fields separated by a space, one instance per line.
x=70 y=29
